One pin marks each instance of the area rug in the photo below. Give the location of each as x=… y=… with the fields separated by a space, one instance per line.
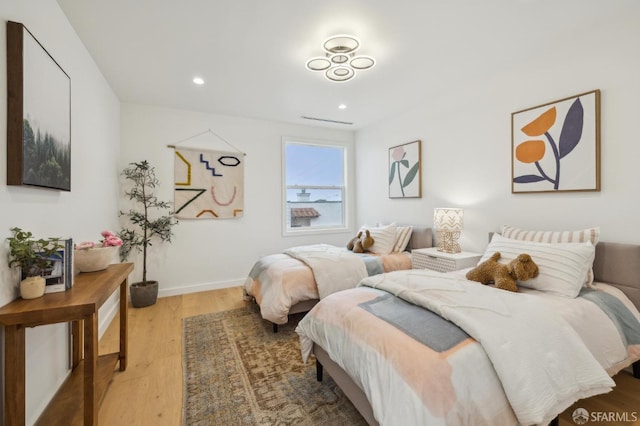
x=237 y=371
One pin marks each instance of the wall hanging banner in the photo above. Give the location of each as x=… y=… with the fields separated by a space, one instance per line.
x=208 y=184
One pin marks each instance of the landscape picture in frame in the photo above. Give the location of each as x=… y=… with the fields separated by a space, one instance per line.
x=556 y=146
x=404 y=170
x=38 y=114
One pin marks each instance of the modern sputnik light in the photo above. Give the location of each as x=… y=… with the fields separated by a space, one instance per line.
x=448 y=223
x=340 y=61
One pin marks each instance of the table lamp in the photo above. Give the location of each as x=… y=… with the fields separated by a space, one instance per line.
x=448 y=223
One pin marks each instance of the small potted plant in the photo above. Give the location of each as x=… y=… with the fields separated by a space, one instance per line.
x=150 y=219
x=90 y=256
x=33 y=256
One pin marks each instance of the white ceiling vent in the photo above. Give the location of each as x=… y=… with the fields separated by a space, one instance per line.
x=327 y=120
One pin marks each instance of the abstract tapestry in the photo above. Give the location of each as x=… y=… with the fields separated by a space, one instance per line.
x=208 y=184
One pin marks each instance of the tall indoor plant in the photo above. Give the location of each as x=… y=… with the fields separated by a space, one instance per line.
x=150 y=219
x=33 y=256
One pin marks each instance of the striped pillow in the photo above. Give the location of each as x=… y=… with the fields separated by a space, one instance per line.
x=554 y=237
x=403 y=234
x=562 y=267
x=384 y=238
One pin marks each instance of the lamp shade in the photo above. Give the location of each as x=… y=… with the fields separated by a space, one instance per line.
x=448 y=219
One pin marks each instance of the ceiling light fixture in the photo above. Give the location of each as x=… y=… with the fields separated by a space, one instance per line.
x=342 y=106
x=199 y=81
x=340 y=61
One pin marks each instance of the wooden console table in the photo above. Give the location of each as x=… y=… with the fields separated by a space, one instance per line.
x=83 y=390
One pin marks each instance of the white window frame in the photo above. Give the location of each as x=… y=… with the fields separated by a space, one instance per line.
x=345 y=190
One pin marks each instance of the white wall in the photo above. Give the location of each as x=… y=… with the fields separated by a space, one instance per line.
x=215 y=253
x=83 y=213
x=466 y=139
x=466 y=162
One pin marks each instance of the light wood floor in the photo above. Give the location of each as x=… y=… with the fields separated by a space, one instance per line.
x=149 y=392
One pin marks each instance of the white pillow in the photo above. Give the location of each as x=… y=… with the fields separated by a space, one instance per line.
x=403 y=235
x=562 y=267
x=553 y=237
x=384 y=238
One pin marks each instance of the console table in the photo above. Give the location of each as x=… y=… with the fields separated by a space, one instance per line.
x=78 y=399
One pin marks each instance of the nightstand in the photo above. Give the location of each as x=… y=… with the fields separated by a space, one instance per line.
x=431 y=258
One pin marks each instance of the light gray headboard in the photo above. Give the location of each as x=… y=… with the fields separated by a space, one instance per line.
x=421 y=237
x=619 y=264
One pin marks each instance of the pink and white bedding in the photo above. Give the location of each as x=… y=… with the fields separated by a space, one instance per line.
x=496 y=358
x=334 y=268
x=279 y=281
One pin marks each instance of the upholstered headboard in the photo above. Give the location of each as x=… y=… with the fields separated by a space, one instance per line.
x=619 y=264
x=421 y=237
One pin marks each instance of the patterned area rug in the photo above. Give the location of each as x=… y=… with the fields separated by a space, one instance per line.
x=238 y=372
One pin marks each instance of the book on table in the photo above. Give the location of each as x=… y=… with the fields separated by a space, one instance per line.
x=59 y=276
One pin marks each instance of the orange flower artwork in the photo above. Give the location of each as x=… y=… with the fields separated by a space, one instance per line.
x=546 y=135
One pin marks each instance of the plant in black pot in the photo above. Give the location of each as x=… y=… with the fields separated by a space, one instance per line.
x=150 y=219
x=34 y=256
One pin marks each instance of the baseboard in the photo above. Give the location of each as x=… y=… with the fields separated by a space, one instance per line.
x=196 y=288
x=113 y=307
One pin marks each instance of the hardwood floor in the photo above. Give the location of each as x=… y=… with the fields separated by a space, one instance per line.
x=623 y=401
x=149 y=392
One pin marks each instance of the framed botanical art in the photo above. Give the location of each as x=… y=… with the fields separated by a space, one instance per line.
x=38 y=114
x=405 y=179
x=555 y=147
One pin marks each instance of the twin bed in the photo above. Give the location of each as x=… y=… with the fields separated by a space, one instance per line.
x=287 y=283
x=422 y=347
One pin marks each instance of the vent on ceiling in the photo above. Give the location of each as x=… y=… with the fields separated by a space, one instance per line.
x=326 y=120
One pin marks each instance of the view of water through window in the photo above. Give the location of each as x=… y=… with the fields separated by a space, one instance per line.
x=314 y=176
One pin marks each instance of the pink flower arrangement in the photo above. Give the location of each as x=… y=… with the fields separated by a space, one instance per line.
x=109 y=239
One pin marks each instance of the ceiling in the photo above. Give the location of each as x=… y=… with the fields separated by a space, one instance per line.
x=252 y=53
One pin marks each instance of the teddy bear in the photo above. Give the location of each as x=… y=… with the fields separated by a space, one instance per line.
x=504 y=275
x=361 y=244
x=352 y=243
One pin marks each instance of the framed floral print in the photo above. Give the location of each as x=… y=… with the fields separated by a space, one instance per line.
x=405 y=179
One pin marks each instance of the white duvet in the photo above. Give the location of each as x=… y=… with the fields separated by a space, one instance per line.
x=541 y=361
x=539 y=354
x=334 y=268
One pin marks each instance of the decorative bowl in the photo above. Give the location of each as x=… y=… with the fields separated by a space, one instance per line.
x=95 y=259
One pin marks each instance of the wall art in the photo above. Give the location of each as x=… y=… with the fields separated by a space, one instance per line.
x=38 y=114
x=555 y=147
x=405 y=179
x=209 y=184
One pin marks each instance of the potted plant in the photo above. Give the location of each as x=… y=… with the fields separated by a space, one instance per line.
x=150 y=219
x=90 y=256
x=33 y=256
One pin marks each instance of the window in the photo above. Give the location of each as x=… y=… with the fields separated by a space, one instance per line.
x=315 y=196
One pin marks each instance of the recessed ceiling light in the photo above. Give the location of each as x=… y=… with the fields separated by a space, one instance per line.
x=342 y=106
x=198 y=80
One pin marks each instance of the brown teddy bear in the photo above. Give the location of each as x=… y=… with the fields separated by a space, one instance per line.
x=361 y=244
x=504 y=275
x=351 y=244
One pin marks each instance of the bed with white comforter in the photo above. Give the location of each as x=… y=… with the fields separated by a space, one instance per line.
x=432 y=348
x=294 y=280
x=538 y=354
